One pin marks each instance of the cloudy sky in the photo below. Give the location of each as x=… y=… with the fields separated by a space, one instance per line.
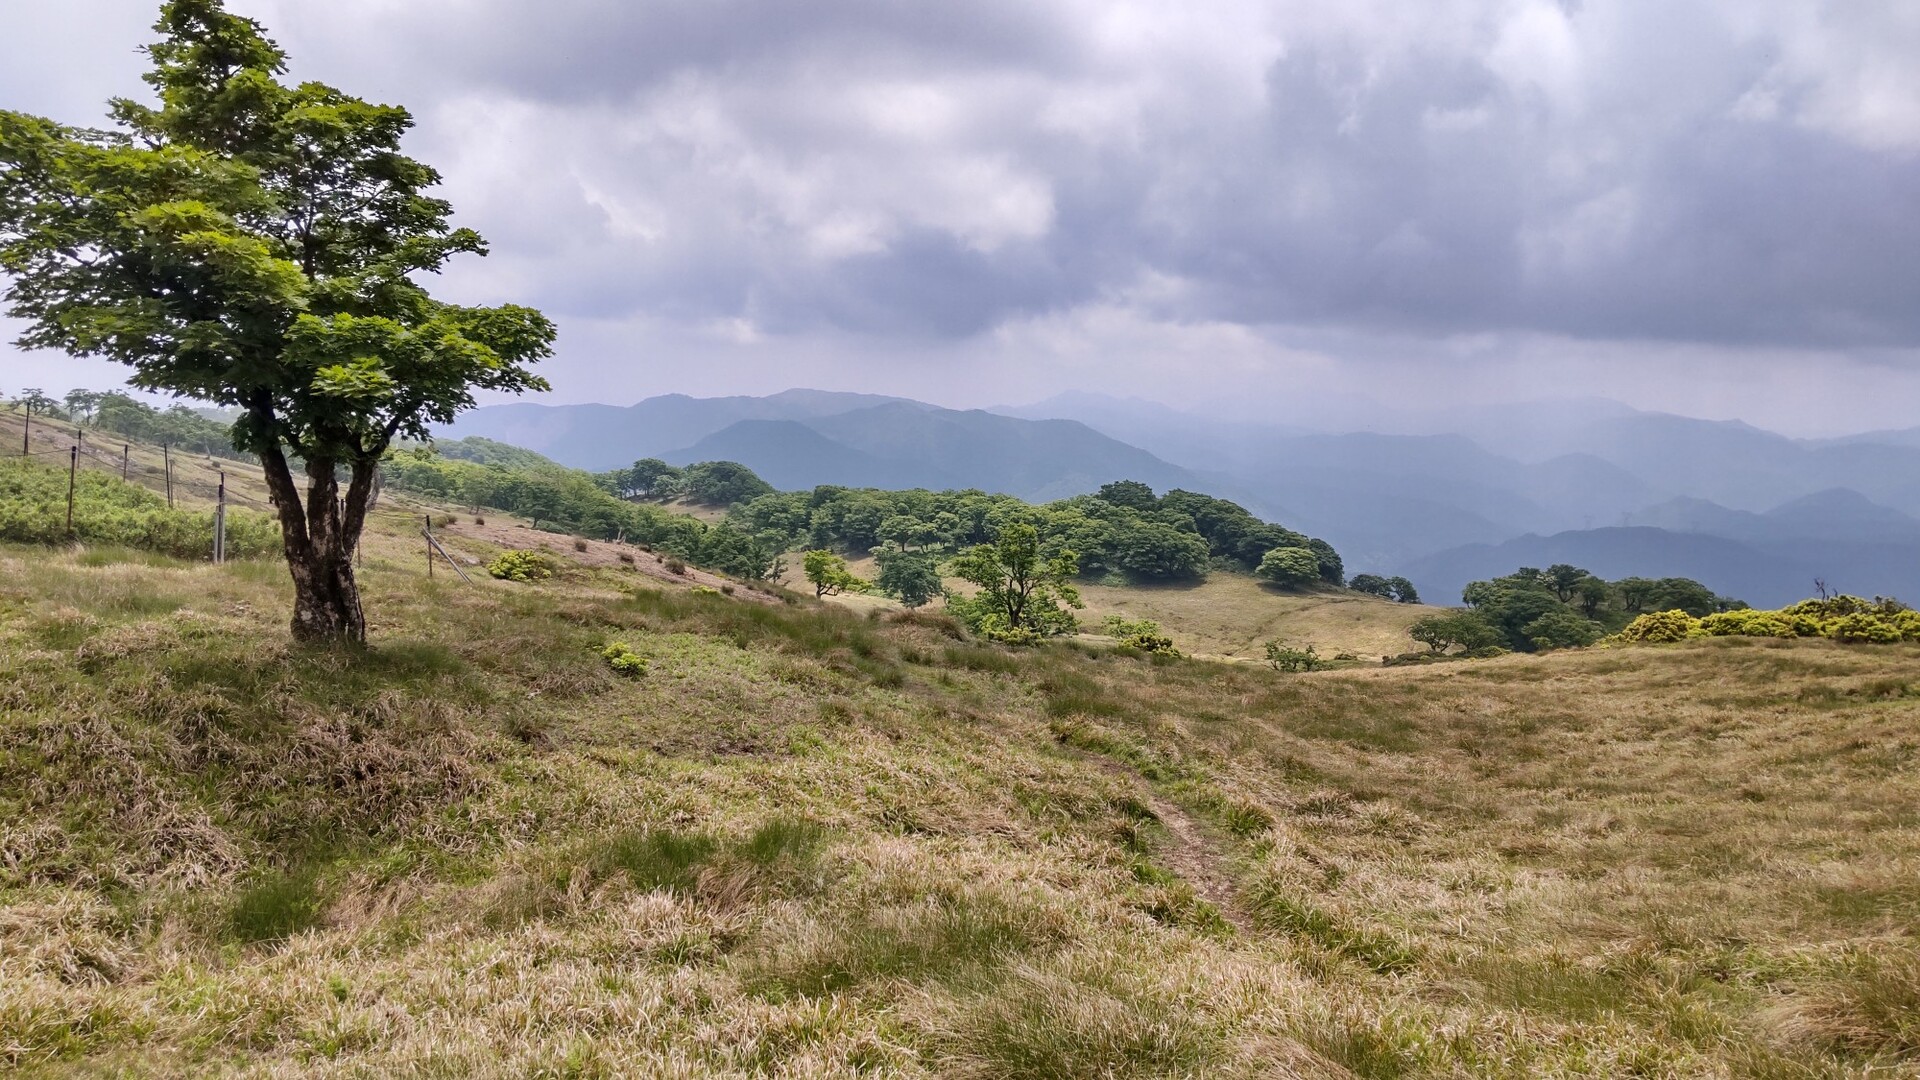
x=1278 y=209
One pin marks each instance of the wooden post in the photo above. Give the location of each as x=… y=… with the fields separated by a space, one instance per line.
x=166 y=459
x=126 y=449
x=26 y=434
x=220 y=522
x=429 y=533
x=73 y=471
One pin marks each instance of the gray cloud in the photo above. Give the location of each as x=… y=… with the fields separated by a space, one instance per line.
x=1341 y=181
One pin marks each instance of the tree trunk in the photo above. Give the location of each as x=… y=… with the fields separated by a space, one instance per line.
x=318 y=535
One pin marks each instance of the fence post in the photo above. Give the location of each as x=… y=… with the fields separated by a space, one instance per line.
x=126 y=449
x=26 y=435
x=166 y=458
x=73 y=470
x=429 y=533
x=220 y=522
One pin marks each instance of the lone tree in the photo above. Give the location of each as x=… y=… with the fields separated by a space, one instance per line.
x=255 y=244
x=1024 y=591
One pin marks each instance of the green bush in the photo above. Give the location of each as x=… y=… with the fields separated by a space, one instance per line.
x=1289 y=566
x=522 y=566
x=1748 y=623
x=1285 y=657
x=1864 y=629
x=622 y=659
x=109 y=511
x=1660 y=626
x=1142 y=634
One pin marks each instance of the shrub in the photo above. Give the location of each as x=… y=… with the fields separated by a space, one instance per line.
x=1748 y=623
x=1142 y=634
x=522 y=566
x=33 y=510
x=1660 y=626
x=1285 y=657
x=621 y=658
x=704 y=590
x=579 y=544
x=675 y=566
x=1561 y=630
x=1864 y=629
x=625 y=557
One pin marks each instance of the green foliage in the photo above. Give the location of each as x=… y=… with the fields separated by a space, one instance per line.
x=648 y=478
x=106 y=510
x=1847 y=619
x=1466 y=629
x=1290 y=566
x=828 y=574
x=621 y=658
x=1145 y=635
x=1397 y=589
x=1562 y=629
x=1124 y=531
x=526 y=567
x=721 y=483
x=911 y=577
x=259 y=245
x=1284 y=657
x=1023 y=591
x=274 y=907
x=1659 y=627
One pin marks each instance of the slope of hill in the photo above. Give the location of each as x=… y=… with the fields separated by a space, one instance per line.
x=793 y=457
x=601 y=437
x=806 y=843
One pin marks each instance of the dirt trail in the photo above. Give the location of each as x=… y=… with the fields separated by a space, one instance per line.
x=1193 y=856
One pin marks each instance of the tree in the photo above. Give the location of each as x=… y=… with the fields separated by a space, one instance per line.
x=82 y=403
x=1284 y=657
x=829 y=575
x=649 y=478
x=1129 y=493
x=721 y=483
x=1372 y=585
x=35 y=401
x=1591 y=595
x=1561 y=629
x=258 y=245
x=1463 y=628
x=911 y=577
x=1290 y=566
x=1636 y=593
x=1403 y=591
x=1157 y=552
x=1023 y=591
x=1564 y=579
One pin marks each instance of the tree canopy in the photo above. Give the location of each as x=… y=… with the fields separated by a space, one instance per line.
x=258 y=244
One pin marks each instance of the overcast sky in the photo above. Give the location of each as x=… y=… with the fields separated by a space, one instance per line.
x=1271 y=208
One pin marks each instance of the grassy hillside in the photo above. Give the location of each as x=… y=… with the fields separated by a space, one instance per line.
x=1227 y=615
x=809 y=843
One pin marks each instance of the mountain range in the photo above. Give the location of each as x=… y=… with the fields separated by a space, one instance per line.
x=1749 y=512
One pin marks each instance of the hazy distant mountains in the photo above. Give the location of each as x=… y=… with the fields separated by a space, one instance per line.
x=802 y=438
x=1749 y=512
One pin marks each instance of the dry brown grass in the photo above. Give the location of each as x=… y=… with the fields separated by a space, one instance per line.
x=808 y=843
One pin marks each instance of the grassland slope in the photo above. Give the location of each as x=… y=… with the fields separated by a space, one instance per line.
x=799 y=841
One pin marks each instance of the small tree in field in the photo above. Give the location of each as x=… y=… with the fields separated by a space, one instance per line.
x=828 y=574
x=257 y=245
x=1023 y=592
x=910 y=576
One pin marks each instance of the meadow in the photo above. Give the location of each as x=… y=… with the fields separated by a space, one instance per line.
x=797 y=840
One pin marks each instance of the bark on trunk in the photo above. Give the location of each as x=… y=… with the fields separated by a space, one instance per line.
x=318 y=534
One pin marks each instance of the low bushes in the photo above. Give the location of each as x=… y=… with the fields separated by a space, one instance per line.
x=107 y=510
x=1847 y=619
x=525 y=567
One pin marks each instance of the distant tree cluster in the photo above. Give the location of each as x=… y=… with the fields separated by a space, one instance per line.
x=1125 y=530
x=706 y=483
x=1563 y=606
x=1397 y=589
x=569 y=500
x=119 y=414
